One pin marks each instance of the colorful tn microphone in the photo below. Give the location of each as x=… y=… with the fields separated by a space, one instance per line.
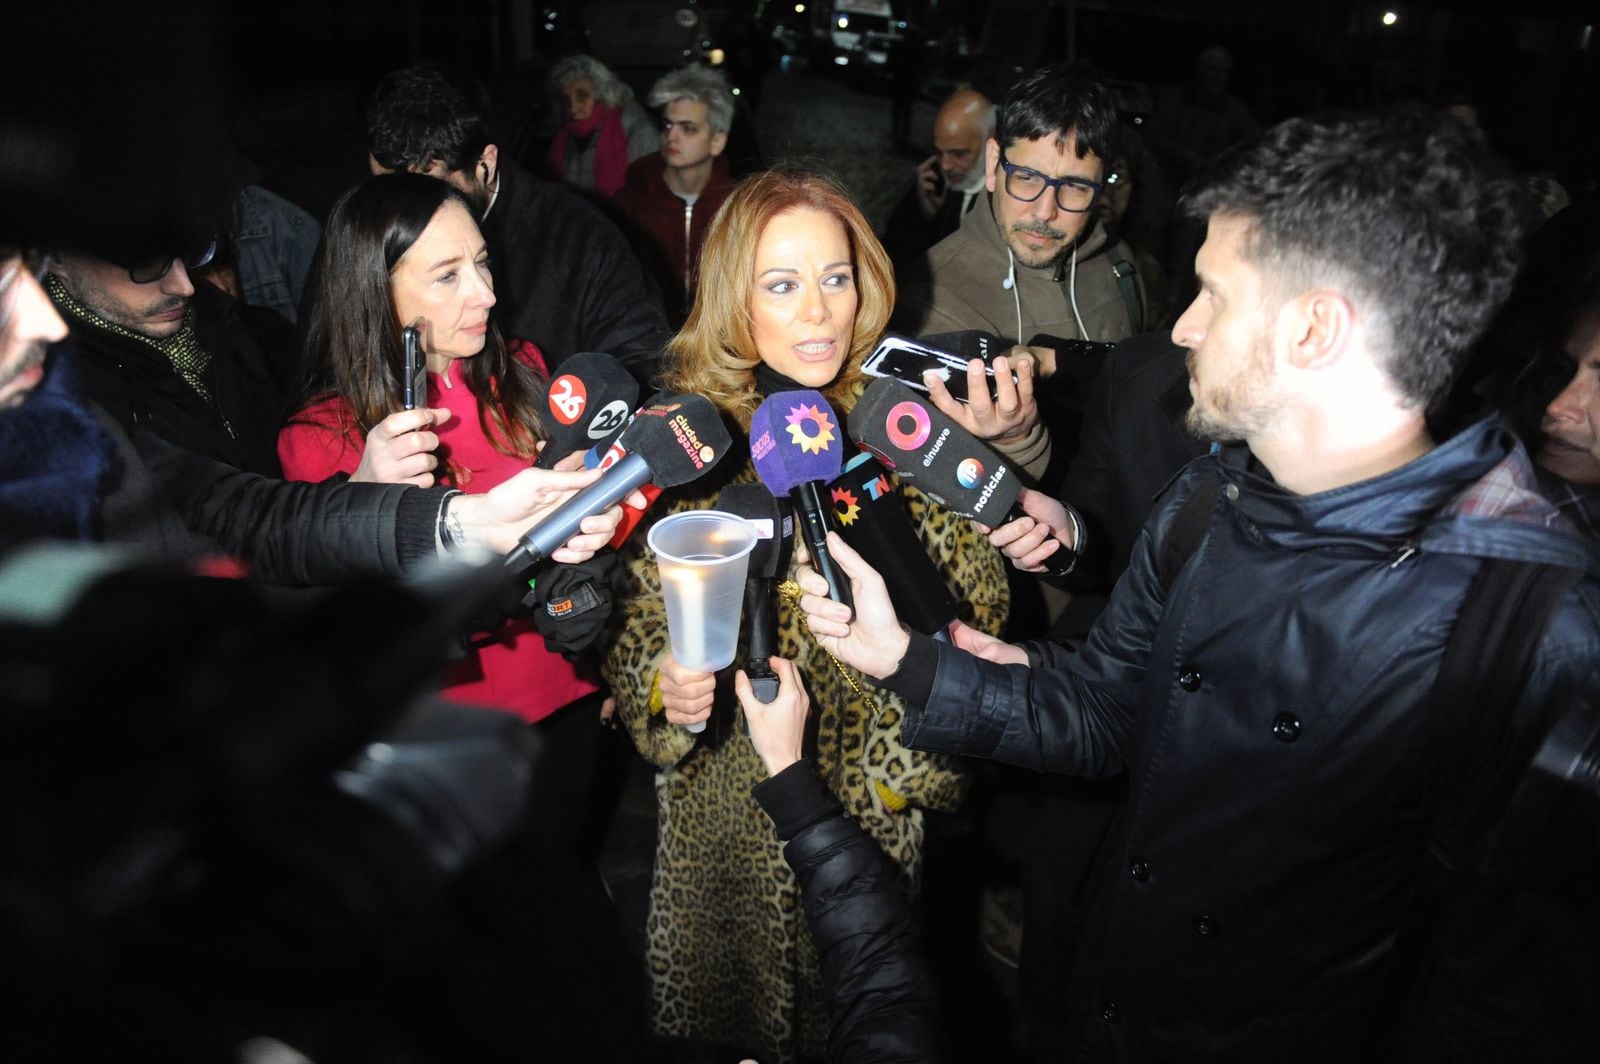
x=797 y=444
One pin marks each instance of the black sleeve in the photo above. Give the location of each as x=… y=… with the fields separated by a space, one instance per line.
x=623 y=315
x=882 y=1005
x=292 y=533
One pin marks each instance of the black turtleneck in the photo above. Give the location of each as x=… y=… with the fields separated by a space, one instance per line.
x=769 y=382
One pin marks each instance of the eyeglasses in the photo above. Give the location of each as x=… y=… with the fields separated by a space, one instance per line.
x=154 y=267
x=1073 y=194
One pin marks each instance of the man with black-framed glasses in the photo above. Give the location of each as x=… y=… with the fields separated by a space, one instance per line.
x=162 y=351
x=1035 y=265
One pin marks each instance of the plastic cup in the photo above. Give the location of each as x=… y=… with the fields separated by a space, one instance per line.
x=703 y=556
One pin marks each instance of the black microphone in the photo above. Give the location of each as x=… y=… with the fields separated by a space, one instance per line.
x=586 y=406
x=924 y=446
x=798 y=445
x=671 y=441
x=869 y=514
x=768 y=558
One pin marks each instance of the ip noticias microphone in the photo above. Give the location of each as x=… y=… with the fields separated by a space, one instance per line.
x=587 y=405
x=672 y=440
x=926 y=447
x=798 y=445
x=774 y=526
x=869 y=514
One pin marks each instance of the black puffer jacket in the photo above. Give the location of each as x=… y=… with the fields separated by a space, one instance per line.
x=882 y=1006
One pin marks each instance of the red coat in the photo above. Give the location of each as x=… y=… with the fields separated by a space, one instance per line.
x=666 y=232
x=510 y=669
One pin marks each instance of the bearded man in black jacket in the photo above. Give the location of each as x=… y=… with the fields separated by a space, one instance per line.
x=160 y=351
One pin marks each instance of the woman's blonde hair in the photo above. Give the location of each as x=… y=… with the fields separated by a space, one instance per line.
x=714 y=354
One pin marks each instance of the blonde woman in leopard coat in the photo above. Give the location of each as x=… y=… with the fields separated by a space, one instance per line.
x=795 y=291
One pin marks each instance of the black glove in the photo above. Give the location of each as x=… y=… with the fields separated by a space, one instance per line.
x=571 y=603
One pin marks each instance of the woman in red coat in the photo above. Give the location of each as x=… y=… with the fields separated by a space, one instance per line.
x=404 y=249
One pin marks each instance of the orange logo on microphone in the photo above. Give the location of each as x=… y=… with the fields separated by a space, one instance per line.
x=815 y=438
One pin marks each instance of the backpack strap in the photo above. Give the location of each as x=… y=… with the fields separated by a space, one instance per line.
x=1186 y=531
x=1126 y=272
x=1485 y=668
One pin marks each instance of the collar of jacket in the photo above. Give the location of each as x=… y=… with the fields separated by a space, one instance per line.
x=647 y=181
x=211 y=312
x=1383 y=511
x=985 y=225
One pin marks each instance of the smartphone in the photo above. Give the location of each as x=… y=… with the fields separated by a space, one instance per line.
x=414 y=378
x=906 y=360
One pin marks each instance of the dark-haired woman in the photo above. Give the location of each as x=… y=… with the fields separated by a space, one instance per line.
x=403 y=248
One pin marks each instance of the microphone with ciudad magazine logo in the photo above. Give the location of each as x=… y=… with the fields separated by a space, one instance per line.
x=672 y=440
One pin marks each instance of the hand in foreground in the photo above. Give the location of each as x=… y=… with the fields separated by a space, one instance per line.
x=930 y=190
x=498 y=518
x=686 y=694
x=1029 y=540
x=985 y=646
x=1006 y=418
x=399 y=449
x=777 y=728
x=873 y=641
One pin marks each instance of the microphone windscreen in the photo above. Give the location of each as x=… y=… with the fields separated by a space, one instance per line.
x=918 y=441
x=870 y=515
x=966 y=345
x=795 y=437
x=586 y=406
x=756 y=504
x=680 y=437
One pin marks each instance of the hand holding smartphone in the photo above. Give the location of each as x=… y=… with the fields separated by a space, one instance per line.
x=414 y=375
x=907 y=360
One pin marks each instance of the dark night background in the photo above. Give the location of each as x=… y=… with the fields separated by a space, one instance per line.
x=292 y=75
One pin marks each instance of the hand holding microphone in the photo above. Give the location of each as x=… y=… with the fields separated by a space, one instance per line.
x=671 y=441
x=867 y=637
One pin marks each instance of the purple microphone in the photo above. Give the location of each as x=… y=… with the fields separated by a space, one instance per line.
x=798 y=445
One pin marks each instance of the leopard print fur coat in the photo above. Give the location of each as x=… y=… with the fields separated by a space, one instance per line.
x=729 y=957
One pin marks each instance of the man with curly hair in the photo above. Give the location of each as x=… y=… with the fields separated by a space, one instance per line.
x=1270 y=670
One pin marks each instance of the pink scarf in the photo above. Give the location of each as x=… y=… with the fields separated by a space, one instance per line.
x=610 y=150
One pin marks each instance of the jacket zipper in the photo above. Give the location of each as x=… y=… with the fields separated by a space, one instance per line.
x=688 y=252
x=1404 y=552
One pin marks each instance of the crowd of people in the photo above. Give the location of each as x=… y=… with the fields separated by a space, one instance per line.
x=1330 y=521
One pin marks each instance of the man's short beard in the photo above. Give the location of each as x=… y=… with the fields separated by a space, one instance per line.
x=973 y=182
x=1026 y=257
x=1244 y=407
x=32 y=355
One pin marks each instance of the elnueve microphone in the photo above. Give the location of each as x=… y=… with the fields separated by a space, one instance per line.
x=798 y=445
x=587 y=405
x=919 y=442
x=870 y=515
x=671 y=441
x=768 y=559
